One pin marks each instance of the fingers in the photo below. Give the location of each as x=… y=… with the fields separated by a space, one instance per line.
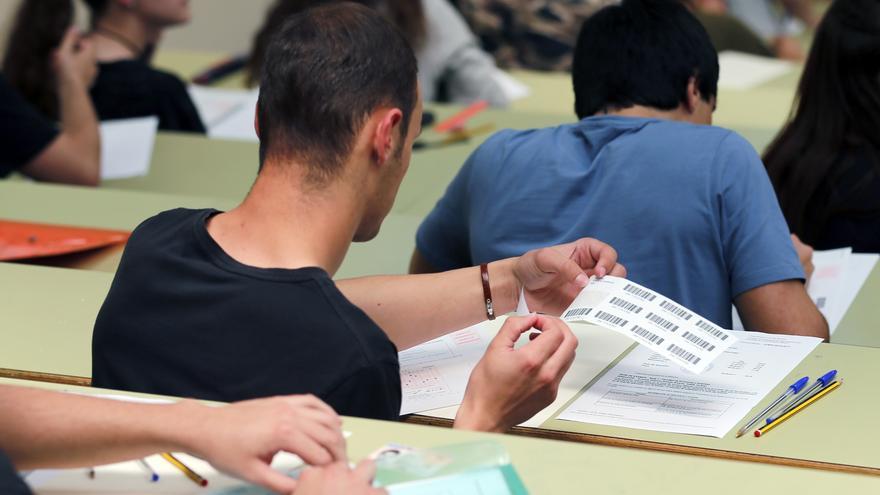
x=602 y=257
x=365 y=472
x=512 y=329
x=618 y=271
x=553 y=261
x=262 y=474
x=558 y=363
x=552 y=336
x=310 y=402
x=69 y=41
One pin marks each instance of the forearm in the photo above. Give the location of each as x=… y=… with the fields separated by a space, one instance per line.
x=413 y=309
x=47 y=429
x=79 y=122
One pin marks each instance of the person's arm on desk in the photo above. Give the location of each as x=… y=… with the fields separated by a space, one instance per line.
x=39 y=428
x=448 y=301
x=74 y=156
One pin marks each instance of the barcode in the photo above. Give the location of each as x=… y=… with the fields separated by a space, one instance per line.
x=677 y=311
x=614 y=320
x=712 y=329
x=705 y=344
x=644 y=294
x=644 y=332
x=577 y=312
x=632 y=308
x=668 y=325
x=687 y=356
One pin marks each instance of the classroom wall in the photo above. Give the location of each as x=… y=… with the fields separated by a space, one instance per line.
x=217 y=25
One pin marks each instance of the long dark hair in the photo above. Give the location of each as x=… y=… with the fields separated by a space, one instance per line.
x=37 y=31
x=837 y=108
x=407 y=15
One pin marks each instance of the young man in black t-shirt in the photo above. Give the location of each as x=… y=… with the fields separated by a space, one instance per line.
x=241 y=304
x=34 y=146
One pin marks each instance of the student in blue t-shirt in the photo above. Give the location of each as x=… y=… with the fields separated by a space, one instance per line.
x=688 y=206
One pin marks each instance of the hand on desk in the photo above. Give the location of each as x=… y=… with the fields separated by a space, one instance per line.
x=339 y=479
x=242 y=438
x=552 y=277
x=509 y=386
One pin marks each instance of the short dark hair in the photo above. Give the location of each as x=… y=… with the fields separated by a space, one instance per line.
x=325 y=71
x=641 y=52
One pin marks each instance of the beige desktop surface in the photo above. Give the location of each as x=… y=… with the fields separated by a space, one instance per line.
x=48 y=315
x=553 y=467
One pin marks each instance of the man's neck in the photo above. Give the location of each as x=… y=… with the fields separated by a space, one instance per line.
x=123 y=36
x=282 y=224
x=650 y=113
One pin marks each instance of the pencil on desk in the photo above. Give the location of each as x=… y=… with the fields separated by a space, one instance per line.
x=184 y=469
x=818 y=395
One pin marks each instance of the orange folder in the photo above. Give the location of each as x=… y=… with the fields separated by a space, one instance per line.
x=22 y=240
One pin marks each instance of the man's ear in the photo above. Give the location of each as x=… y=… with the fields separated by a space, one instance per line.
x=693 y=95
x=386 y=131
x=257 y=120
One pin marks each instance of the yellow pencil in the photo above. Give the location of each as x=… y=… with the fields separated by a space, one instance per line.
x=822 y=393
x=184 y=469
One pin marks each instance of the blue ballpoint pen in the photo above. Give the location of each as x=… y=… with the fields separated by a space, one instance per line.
x=792 y=390
x=821 y=382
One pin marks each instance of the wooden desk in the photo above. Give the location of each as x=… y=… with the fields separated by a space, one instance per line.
x=552 y=467
x=48 y=314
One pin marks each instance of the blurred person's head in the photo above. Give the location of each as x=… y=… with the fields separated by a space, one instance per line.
x=837 y=107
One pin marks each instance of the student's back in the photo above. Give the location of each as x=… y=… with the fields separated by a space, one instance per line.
x=689 y=207
x=674 y=199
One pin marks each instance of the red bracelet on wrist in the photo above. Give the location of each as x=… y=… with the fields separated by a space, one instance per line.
x=487 y=291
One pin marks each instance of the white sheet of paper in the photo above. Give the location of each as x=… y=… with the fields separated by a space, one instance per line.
x=226 y=113
x=127 y=147
x=652 y=320
x=513 y=89
x=647 y=391
x=130 y=477
x=838 y=276
x=598 y=347
x=743 y=71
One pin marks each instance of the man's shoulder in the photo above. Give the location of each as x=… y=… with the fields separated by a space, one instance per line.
x=166 y=224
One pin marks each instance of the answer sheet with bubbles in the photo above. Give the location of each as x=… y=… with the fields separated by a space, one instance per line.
x=652 y=320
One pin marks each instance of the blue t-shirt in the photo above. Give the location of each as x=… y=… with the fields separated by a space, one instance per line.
x=689 y=208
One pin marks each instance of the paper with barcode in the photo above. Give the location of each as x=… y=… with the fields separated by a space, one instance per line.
x=652 y=320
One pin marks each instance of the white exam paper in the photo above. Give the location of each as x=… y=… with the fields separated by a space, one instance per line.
x=651 y=319
x=838 y=276
x=648 y=392
x=598 y=347
x=226 y=113
x=127 y=147
x=742 y=71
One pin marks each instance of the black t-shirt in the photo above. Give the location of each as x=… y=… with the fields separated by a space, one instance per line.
x=24 y=132
x=131 y=88
x=10 y=482
x=183 y=318
x=846 y=206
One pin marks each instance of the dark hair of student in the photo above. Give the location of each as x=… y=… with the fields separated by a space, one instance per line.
x=837 y=107
x=37 y=31
x=641 y=52
x=407 y=15
x=35 y=34
x=323 y=76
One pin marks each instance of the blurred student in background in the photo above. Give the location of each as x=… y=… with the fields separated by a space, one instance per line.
x=124 y=34
x=32 y=144
x=825 y=164
x=452 y=66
